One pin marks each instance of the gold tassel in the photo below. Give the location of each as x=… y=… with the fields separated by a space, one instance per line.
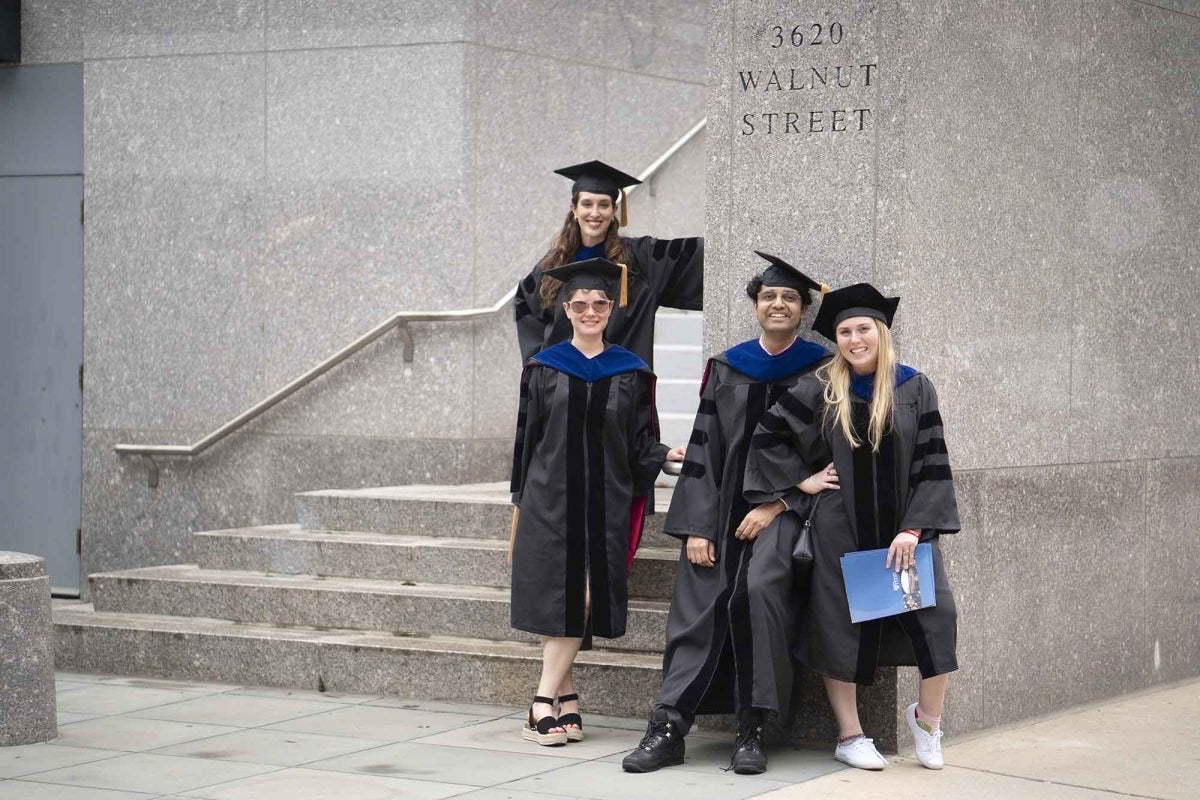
x=624 y=216
x=512 y=534
x=624 y=298
x=824 y=289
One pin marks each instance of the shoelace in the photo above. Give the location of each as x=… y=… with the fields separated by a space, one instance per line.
x=854 y=743
x=935 y=735
x=655 y=733
x=749 y=737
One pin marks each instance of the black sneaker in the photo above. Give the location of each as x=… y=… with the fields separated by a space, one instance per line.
x=748 y=755
x=662 y=746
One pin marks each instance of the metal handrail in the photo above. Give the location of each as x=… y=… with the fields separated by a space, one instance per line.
x=399 y=321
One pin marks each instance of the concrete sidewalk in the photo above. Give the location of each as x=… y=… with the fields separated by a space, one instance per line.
x=124 y=738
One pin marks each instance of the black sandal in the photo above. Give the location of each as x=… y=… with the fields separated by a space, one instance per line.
x=540 y=731
x=573 y=734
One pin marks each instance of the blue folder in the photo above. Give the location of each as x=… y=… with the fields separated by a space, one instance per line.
x=876 y=591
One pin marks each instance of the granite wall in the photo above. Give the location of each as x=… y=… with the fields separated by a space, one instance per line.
x=268 y=179
x=1024 y=176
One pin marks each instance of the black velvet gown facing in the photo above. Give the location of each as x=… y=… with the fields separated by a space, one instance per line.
x=730 y=626
x=586 y=454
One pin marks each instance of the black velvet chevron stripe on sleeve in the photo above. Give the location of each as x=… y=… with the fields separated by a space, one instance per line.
x=929 y=419
x=773 y=430
x=934 y=472
x=934 y=445
x=796 y=407
x=931 y=459
x=707 y=407
x=699 y=437
x=677 y=249
x=521 y=307
x=693 y=469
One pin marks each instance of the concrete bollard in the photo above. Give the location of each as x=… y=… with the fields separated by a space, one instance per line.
x=27 y=704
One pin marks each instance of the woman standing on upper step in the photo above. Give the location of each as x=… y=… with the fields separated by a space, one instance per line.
x=662 y=272
x=585 y=457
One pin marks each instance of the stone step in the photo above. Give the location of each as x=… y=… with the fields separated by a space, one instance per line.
x=678 y=327
x=470 y=511
x=678 y=395
x=351 y=661
x=676 y=429
x=478 y=612
x=678 y=361
x=289 y=550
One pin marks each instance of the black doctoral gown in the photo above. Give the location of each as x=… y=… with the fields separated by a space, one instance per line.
x=730 y=626
x=586 y=453
x=663 y=272
x=906 y=485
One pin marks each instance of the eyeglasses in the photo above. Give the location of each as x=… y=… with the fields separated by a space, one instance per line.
x=599 y=306
x=787 y=297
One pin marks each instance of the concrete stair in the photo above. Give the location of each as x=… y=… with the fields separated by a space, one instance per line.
x=400 y=590
x=436 y=667
x=679 y=364
x=291 y=550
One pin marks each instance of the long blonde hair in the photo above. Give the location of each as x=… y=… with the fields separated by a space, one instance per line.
x=835 y=376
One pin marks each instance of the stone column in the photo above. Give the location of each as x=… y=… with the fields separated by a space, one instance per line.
x=1014 y=171
x=27 y=704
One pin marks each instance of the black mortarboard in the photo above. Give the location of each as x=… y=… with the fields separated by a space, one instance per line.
x=781 y=273
x=594 y=273
x=599 y=178
x=858 y=300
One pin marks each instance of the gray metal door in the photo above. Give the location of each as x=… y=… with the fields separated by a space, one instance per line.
x=41 y=315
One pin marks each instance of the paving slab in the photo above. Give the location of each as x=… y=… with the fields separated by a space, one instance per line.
x=33 y=758
x=27 y=790
x=380 y=724
x=341 y=698
x=281 y=748
x=785 y=763
x=470 y=709
x=904 y=777
x=505 y=735
x=386 y=747
x=429 y=762
x=1091 y=748
x=61 y=686
x=164 y=683
x=240 y=710
x=133 y=734
x=104 y=699
x=151 y=774
x=67 y=717
x=599 y=780
x=506 y=794
x=311 y=784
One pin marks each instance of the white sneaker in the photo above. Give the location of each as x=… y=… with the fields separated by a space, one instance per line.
x=928 y=745
x=860 y=752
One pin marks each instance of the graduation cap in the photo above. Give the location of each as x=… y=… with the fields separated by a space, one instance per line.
x=594 y=273
x=599 y=178
x=781 y=273
x=858 y=300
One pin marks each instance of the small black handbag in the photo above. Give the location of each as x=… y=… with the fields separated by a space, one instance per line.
x=802 y=550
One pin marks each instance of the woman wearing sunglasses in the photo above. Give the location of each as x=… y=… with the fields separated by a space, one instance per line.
x=586 y=455
x=662 y=272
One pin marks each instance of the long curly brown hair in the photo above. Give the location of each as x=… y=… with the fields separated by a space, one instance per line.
x=566 y=243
